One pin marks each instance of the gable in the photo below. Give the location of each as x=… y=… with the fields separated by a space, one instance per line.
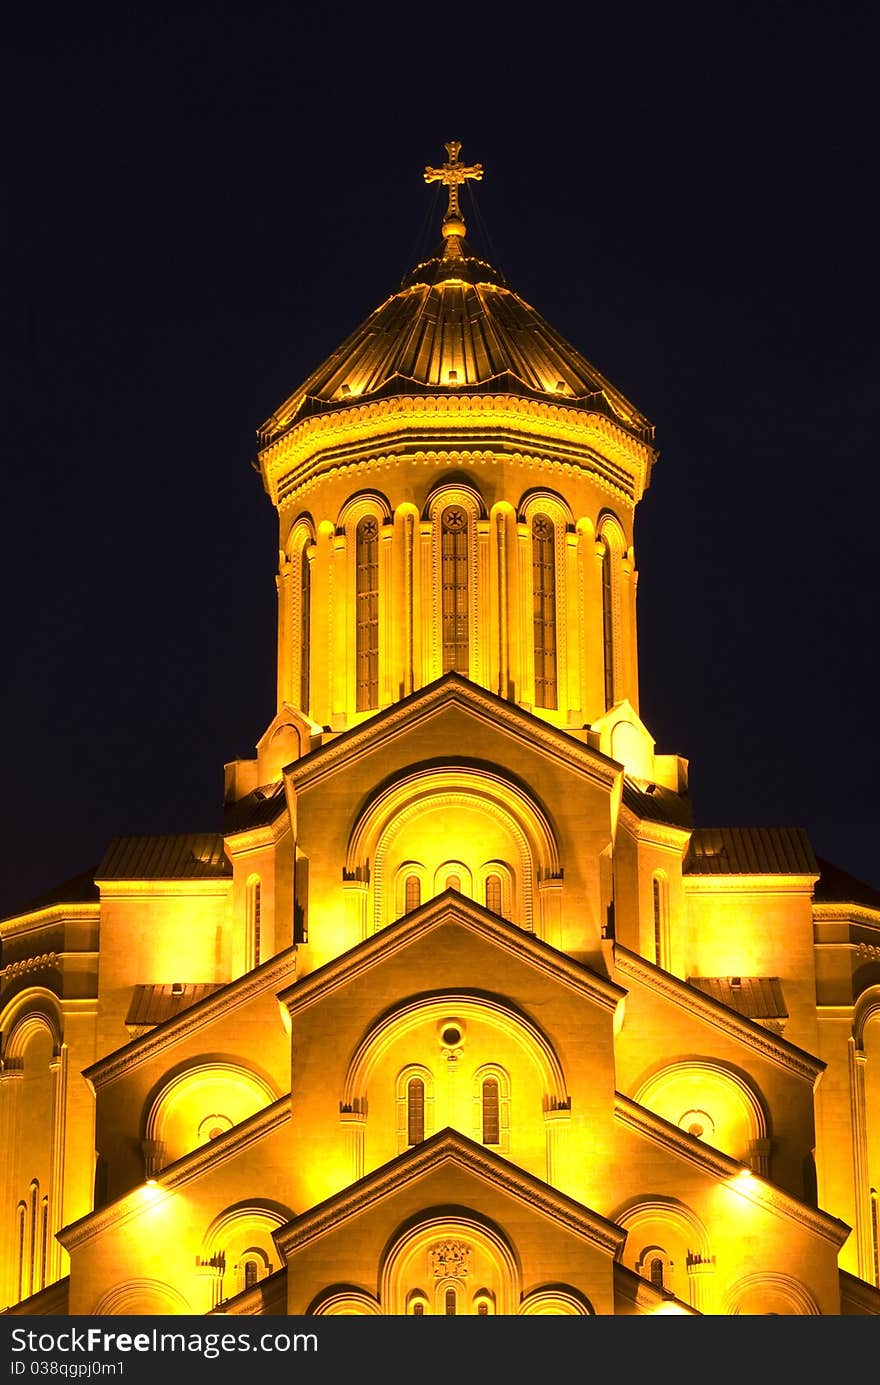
x=449 y=1214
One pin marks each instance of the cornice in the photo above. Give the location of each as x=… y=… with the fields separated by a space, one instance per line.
x=26 y=964
x=178 y=1174
x=664 y=834
x=478 y=423
x=268 y=977
x=427 y=702
x=745 y=1031
x=718 y=1165
x=213 y=886
x=248 y=839
x=444 y=1148
x=847 y=913
x=46 y=918
x=444 y=909
x=743 y=883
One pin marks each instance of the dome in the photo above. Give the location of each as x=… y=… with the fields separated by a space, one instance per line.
x=455 y=325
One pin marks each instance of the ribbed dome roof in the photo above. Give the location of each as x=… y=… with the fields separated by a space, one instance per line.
x=455 y=325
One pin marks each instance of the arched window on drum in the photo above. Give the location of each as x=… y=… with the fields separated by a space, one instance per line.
x=454 y=589
x=367 y=613
x=544 y=610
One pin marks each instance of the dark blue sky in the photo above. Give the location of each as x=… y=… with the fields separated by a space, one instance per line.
x=200 y=204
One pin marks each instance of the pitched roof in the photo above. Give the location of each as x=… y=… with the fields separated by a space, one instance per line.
x=256 y=809
x=154 y=1003
x=756 y=997
x=658 y=804
x=195 y=856
x=750 y=851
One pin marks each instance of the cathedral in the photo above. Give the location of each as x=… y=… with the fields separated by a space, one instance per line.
x=455 y=1010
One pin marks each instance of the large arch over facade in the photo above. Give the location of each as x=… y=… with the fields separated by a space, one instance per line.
x=768 y=1294
x=33 y=1118
x=146 y=1297
x=389 y=828
x=197 y=1105
x=668 y=1244
x=714 y=1103
x=238 y=1248
x=450 y=1259
x=448 y=1044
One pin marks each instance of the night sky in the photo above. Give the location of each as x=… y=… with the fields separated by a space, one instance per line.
x=202 y=202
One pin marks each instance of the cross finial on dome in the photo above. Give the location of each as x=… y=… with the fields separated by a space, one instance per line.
x=452 y=174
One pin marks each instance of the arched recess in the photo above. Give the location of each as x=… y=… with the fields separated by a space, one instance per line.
x=712 y=1102
x=534 y=506
x=458 y=1252
x=415 y=1038
x=414 y=1013
x=667 y=1230
x=496 y=887
x=864 y=1071
x=453 y=810
x=198 y=1104
x=33 y=1112
x=556 y=1300
x=142 y=1297
x=770 y=1294
x=409 y=1117
x=612 y=540
x=454 y=875
x=491 y=1094
x=241 y=1235
x=344 y=1301
x=30 y=1011
x=445 y=499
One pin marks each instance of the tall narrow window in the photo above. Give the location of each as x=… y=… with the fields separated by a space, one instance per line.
x=20 y=1235
x=607 y=626
x=657 y=1272
x=413 y=893
x=454 y=585
x=418 y=1310
x=658 y=923
x=875 y=1236
x=367 y=561
x=415 y=1111
x=491 y=1112
x=453 y=882
x=544 y=610
x=305 y=622
x=44 y=1240
x=450 y=1303
x=493 y=893
x=251 y=1273
x=254 y=922
x=32 y=1267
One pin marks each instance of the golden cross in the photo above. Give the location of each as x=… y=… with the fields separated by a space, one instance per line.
x=452 y=175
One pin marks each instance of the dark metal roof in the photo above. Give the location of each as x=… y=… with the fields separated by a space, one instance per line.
x=658 y=804
x=456 y=313
x=836 y=886
x=755 y=997
x=750 y=851
x=256 y=809
x=192 y=857
x=154 y=1003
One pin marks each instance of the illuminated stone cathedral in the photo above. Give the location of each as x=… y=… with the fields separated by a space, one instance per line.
x=456 y=1010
